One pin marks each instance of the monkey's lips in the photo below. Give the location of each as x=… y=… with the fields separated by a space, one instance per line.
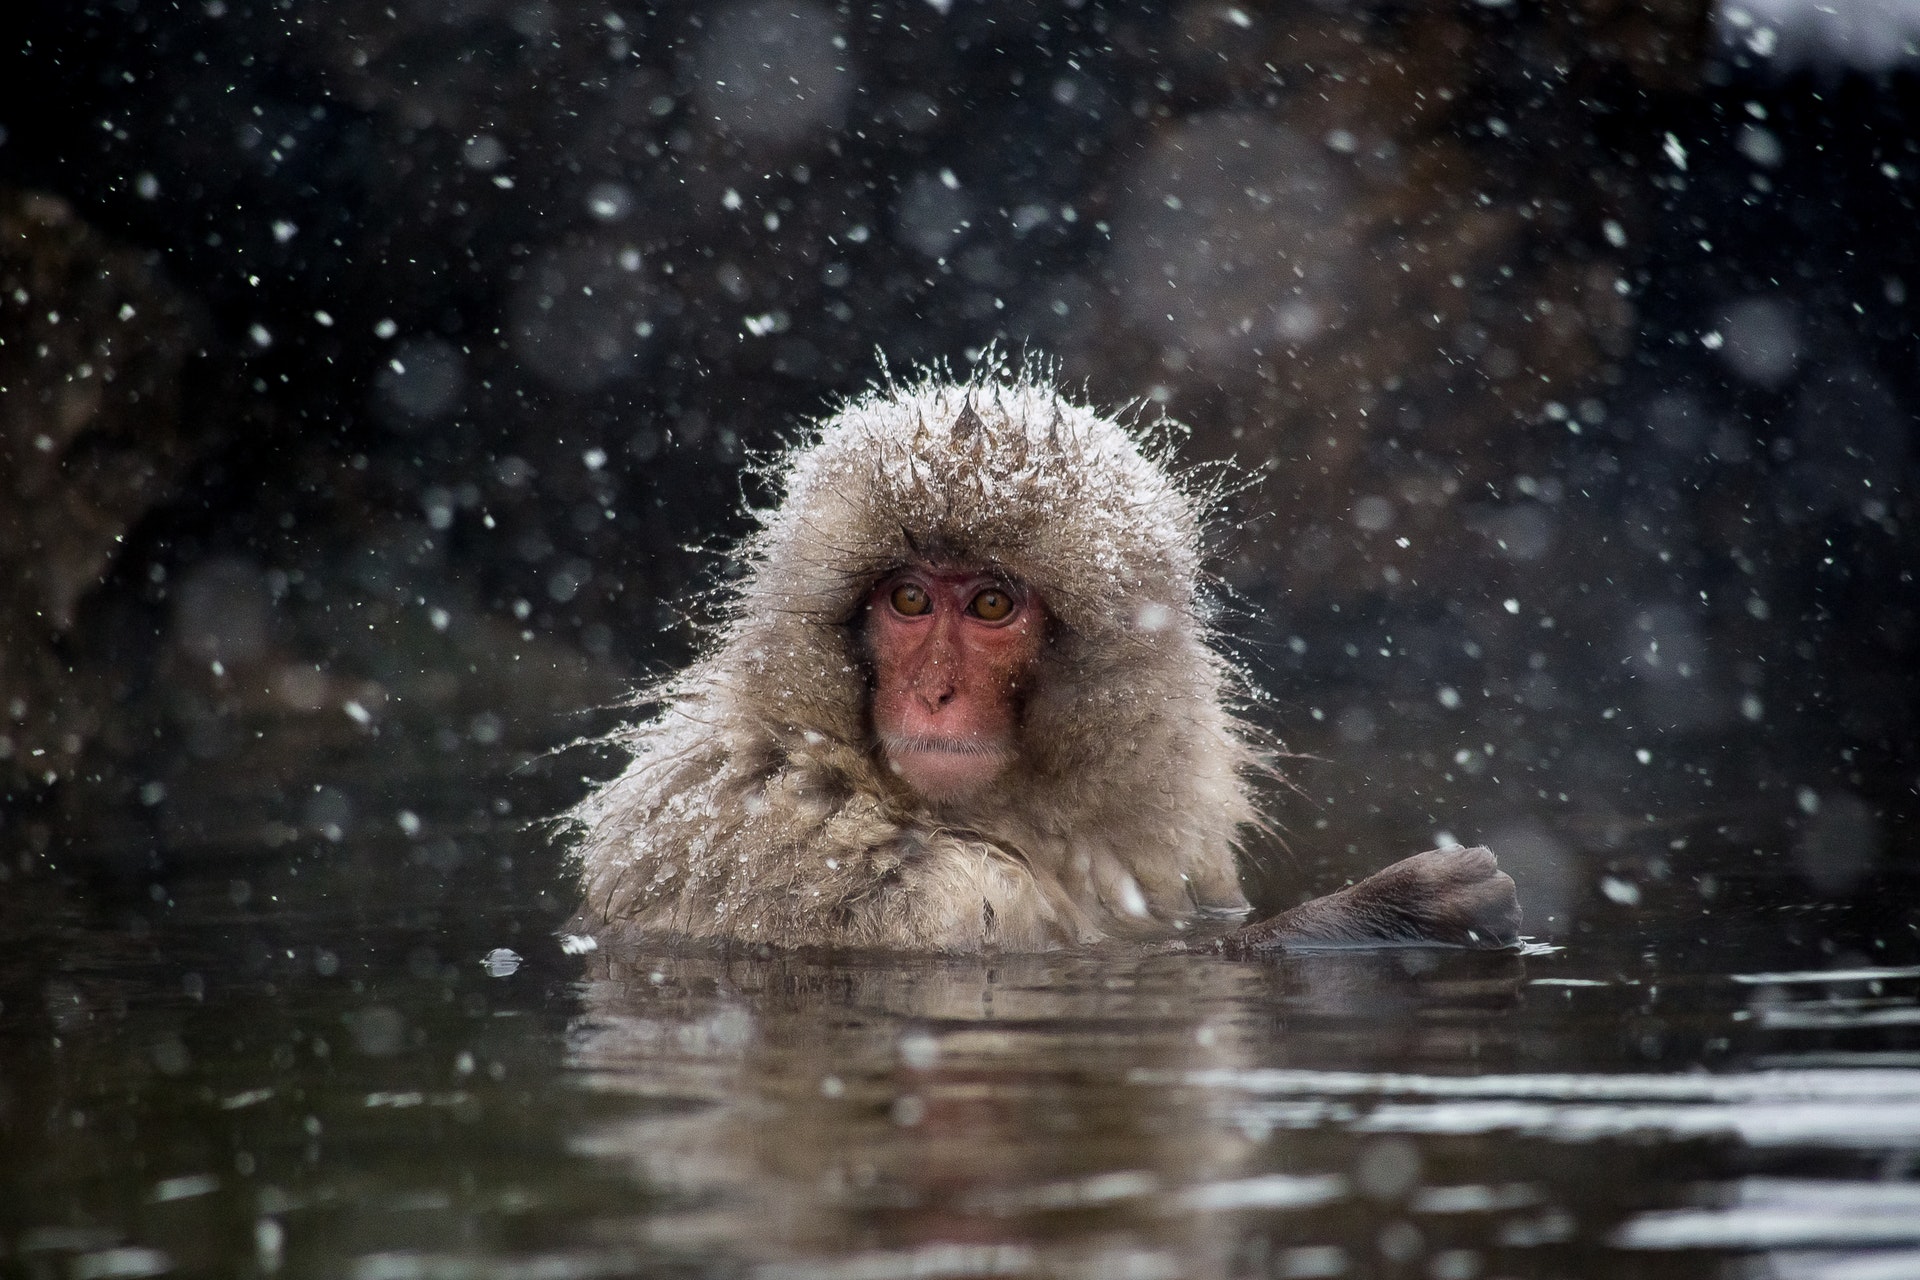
x=944 y=768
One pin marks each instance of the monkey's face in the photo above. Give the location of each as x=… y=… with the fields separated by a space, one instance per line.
x=950 y=651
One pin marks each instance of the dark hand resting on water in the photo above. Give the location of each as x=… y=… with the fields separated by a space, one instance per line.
x=964 y=699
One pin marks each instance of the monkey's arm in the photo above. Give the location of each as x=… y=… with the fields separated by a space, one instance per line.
x=1449 y=897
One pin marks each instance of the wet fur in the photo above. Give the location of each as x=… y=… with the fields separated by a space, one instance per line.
x=754 y=807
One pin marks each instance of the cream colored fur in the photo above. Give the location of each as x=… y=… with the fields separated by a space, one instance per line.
x=754 y=807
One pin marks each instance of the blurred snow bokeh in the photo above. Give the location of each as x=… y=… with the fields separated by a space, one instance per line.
x=1867 y=35
x=1233 y=240
x=773 y=71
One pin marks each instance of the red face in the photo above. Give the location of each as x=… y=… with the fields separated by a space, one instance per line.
x=950 y=651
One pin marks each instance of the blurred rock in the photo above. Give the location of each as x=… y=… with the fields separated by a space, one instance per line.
x=1388 y=260
x=93 y=346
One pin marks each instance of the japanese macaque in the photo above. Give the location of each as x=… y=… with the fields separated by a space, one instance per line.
x=964 y=699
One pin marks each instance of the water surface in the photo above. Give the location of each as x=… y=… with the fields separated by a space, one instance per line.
x=348 y=1041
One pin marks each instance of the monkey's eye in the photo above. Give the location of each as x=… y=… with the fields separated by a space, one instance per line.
x=910 y=599
x=991 y=605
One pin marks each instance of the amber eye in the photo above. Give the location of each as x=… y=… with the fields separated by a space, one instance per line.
x=910 y=599
x=991 y=605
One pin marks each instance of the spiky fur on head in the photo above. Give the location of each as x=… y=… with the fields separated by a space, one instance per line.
x=755 y=807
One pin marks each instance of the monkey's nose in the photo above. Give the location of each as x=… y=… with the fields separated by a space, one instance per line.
x=937 y=692
x=934 y=682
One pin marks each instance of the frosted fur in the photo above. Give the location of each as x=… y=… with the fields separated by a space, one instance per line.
x=754 y=806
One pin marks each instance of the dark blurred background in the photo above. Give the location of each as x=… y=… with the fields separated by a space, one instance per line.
x=377 y=377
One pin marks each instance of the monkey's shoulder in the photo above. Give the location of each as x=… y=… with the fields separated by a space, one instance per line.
x=794 y=843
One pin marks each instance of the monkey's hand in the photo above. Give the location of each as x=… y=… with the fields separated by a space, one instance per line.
x=1446 y=897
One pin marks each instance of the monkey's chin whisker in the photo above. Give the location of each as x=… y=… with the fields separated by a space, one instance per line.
x=944 y=770
x=896 y=744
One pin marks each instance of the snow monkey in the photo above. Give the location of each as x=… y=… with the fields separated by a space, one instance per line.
x=965 y=698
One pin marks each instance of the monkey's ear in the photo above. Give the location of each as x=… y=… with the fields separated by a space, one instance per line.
x=967 y=425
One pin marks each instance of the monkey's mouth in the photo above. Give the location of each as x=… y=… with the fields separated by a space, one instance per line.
x=944 y=770
x=899 y=744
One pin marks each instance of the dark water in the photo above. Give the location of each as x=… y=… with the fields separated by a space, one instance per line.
x=232 y=1044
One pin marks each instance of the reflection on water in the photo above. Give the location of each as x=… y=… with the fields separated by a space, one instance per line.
x=369 y=1055
x=1022 y=1116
